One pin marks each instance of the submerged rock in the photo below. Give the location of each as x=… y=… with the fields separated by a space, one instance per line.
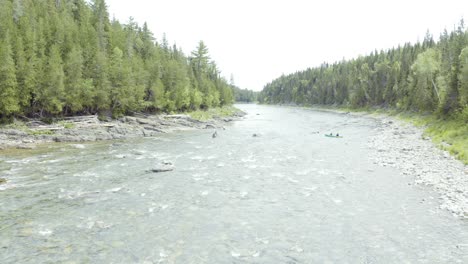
x=163 y=167
x=3 y=180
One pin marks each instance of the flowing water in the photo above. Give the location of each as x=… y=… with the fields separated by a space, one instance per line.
x=289 y=195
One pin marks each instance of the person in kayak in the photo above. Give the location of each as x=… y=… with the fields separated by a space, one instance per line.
x=337 y=134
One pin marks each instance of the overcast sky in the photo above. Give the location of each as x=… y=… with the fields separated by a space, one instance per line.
x=258 y=40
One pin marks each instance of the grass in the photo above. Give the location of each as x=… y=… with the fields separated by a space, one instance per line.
x=17 y=125
x=39 y=132
x=450 y=134
x=66 y=125
x=212 y=113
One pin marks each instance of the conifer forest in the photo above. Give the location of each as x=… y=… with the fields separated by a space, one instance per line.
x=67 y=57
x=428 y=77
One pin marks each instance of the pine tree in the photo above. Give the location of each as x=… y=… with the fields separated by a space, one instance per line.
x=52 y=93
x=78 y=91
x=101 y=23
x=9 y=103
x=121 y=97
x=200 y=58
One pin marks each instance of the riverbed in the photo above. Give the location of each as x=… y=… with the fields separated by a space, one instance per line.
x=287 y=194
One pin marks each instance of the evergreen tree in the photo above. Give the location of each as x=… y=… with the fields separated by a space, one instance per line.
x=79 y=91
x=52 y=93
x=8 y=84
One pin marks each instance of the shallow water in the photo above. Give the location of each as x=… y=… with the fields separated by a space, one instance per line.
x=289 y=195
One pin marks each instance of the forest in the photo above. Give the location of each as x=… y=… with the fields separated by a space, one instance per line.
x=67 y=57
x=427 y=77
x=244 y=95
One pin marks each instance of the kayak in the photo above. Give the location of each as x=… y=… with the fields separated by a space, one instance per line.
x=333 y=136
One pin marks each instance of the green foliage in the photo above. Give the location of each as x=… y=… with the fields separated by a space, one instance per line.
x=452 y=133
x=67 y=57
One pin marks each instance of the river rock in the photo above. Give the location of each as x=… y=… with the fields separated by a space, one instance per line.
x=3 y=180
x=150 y=128
x=118 y=130
x=142 y=121
x=130 y=120
x=66 y=138
x=163 y=167
x=180 y=116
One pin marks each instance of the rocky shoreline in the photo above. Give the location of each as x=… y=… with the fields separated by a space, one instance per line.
x=90 y=128
x=403 y=146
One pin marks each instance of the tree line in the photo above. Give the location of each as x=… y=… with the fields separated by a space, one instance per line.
x=67 y=57
x=428 y=77
x=244 y=95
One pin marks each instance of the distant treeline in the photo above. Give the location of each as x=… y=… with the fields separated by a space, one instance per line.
x=244 y=95
x=426 y=77
x=65 y=57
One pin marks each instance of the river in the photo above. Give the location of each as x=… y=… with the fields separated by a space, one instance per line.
x=288 y=195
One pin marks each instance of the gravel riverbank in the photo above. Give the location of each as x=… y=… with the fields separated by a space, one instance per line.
x=403 y=146
x=90 y=128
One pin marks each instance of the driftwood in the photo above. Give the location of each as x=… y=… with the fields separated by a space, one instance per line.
x=90 y=119
x=51 y=128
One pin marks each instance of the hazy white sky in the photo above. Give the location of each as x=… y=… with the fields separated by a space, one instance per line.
x=258 y=40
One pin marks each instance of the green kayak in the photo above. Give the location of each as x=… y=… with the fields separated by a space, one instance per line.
x=333 y=136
